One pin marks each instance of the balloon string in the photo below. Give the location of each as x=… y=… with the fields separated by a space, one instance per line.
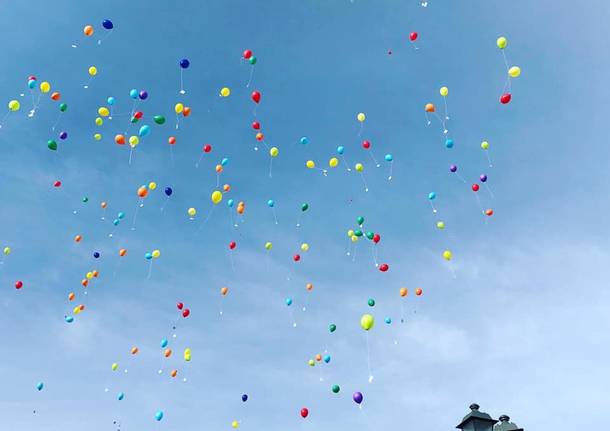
x=349 y=246
x=171 y=155
x=346 y=164
x=505 y=60
x=199 y=161
x=251 y=76
x=374 y=254
x=181 y=83
x=368 y=358
x=88 y=82
x=306 y=302
x=130 y=155
x=149 y=270
x=274 y=215
x=99 y=42
x=165 y=203
x=206 y=219
x=366 y=187
x=271 y=167
x=361 y=127
x=135 y=215
x=354 y=253
x=56 y=122
x=402 y=312
x=433 y=208
x=294 y=322
x=231 y=259
x=489 y=159
x=446 y=110
x=460 y=177
x=391 y=169
x=233 y=224
x=374 y=159
x=4 y=118
x=489 y=190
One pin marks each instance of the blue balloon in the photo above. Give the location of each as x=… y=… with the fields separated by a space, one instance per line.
x=32 y=83
x=116 y=221
x=289 y=301
x=224 y=162
x=230 y=203
x=271 y=203
x=121 y=215
x=107 y=24
x=340 y=149
x=388 y=320
x=168 y=191
x=449 y=143
x=159 y=415
x=69 y=319
x=111 y=100
x=144 y=131
x=164 y=343
x=148 y=256
x=244 y=397
x=185 y=63
x=133 y=93
x=431 y=196
x=388 y=158
x=39 y=386
x=327 y=358
x=143 y=94
x=304 y=140
x=120 y=396
x=96 y=254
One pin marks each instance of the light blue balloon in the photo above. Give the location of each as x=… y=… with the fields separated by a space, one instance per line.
x=111 y=100
x=340 y=149
x=388 y=158
x=289 y=301
x=120 y=396
x=148 y=256
x=144 y=131
x=116 y=221
x=224 y=162
x=230 y=203
x=164 y=343
x=133 y=93
x=449 y=143
x=121 y=215
x=431 y=196
x=327 y=358
x=69 y=319
x=32 y=83
x=271 y=203
x=388 y=320
x=159 y=415
x=39 y=386
x=304 y=140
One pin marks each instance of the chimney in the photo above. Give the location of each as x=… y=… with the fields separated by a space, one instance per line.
x=506 y=425
x=477 y=421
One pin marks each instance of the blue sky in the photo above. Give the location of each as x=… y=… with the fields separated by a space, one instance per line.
x=516 y=322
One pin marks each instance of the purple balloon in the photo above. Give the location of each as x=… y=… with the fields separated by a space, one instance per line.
x=483 y=178
x=63 y=135
x=143 y=94
x=453 y=168
x=357 y=397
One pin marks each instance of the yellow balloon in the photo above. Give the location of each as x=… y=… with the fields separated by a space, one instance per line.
x=179 y=108
x=216 y=197
x=440 y=225
x=501 y=42
x=484 y=145
x=444 y=91
x=225 y=91
x=89 y=275
x=367 y=322
x=93 y=71
x=152 y=185
x=97 y=136
x=310 y=164
x=304 y=246
x=234 y=424
x=187 y=354
x=7 y=251
x=156 y=254
x=333 y=162
x=311 y=363
x=361 y=117
x=103 y=111
x=14 y=105
x=99 y=121
x=133 y=141
x=115 y=366
x=354 y=238
x=45 y=87
x=447 y=255
x=514 y=71
x=268 y=245
x=76 y=309
x=273 y=152
x=359 y=167
x=350 y=233
x=192 y=212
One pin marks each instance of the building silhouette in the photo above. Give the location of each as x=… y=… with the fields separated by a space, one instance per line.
x=481 y=421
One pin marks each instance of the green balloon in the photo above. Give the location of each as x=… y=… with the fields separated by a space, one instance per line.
x=371 y=302
x=336 y=389
x=63 y=107
x=252 y=60
x=52 y=145
x=370 y=235
x=358 y=232
x=134 y=120
x=159 y=119
x=332 y=327
x=85 y=199
x=360 y=220
x=304 y=207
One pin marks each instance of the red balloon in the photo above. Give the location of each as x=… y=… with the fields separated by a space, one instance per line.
x=256 y=96
x=256 y=125
x=475 y=187
x=180 y=305
x=57 y=183
x=413 y=36
x=171 y=140
x=207 y=148
x=31 y=78
x=247 y=54
x=489 y=212
x=384 y=267
x=138 y=114
x=505 y=98
x=366 y=144
x=376 y=238
x=304 y=412
x=232 y=245
x=186 y=312
x=19 y=284
x=296 y=257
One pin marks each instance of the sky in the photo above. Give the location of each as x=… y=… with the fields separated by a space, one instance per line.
x=516 y=321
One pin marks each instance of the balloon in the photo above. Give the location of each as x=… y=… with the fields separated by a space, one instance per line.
x=403 y=291
x=260 y=136
x=384 y=267
x=244 y=398
x=440 y=225
x=333 y=162
x=39 y=386
x=340 y=149
x=6 y=251
x=148 y=256
x=144 y=131
x=371 y=302
x=97 y=136
x=178 y=108
x=55 y=95
x=447 y=255
x=376 y=238
x=31 y=84
x=187 y=354
x=171 y=140
x=185 y=63
x=133 y=93
x=256 y=125
x=429 y=107
x=120 y=396
x=310 y=164
x=332 y=327
x=419 y=291
x=501 y=42
x=232 y=245
x=224 y=290
x=164 y=343
x=156 y=254
x=88 y=30
x=268 y=245
x=115 y=366
x=304 y=246
x=143 y=95
x=142 y=191
x=359 y=167
x=159 y=415
x=505 y=98
x=366 y=144
x=327 y=358
x=168 y=191
x=192 y=212
x=335 y=389
x=483 y=178
x=256 y=96
x=431 y=196
x=388 y=158
x=413 y=36
x=103 y=111
x=225 y=91
x=107 y=24
x=45 y=87
x=489 y=212
x=63 y=135
x=484 y=145
x=92 y=70
x=274 y=151
x=14 y=105
x=99 y=121
x=122 y=252
x=234 y=424
x=159 y=119
x=52 y=145
x=216 y=197
x=186 y=313
x=444 y=91
x=111 y=100
x=449 y=143
x=304 y=207
x=304 y=412
x=296 y=257
x=271 y=203
x=252 y=60
x=18 y=284
x=361 y=117
x=453 y=168
x=367 y=322
x=304 y=140
x=514 y=71
x=289 y=301
x=134 y=141
x=247 y=54
x=357 y=397
x=119 y=139
x=475 y=187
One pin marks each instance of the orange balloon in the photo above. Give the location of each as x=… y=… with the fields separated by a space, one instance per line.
x=104 y=204
x=122 y=252
x=81 y=307
x=173 y=373
x=218 y=169
x=419 y=291
x=226 y=188
x=71 y=296
x=55 y=95
x=260 y=136
x=171 y=140
x=429 y=107
x=318 y=357
x=309 y=286
x=167 y=353
x=95 y=273
x=88 y=30
x=404 y=291
x=119 y=139
x=134 y=350
x=186 y=111
x=224 y=290
x=142 y=192
x=77 y=238
x=84 y=282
